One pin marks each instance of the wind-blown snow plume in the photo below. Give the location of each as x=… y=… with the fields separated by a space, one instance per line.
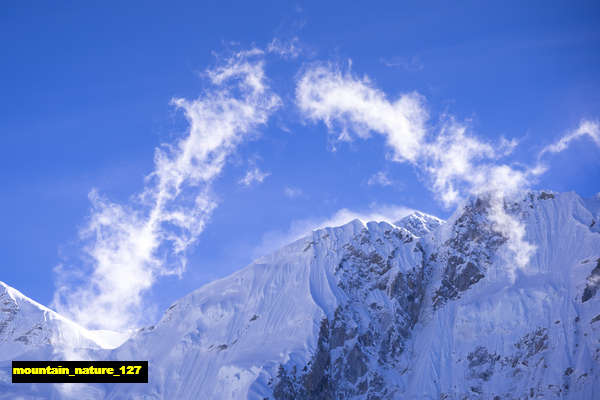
x=128 y=246
x=275 y=239
x=455 y=162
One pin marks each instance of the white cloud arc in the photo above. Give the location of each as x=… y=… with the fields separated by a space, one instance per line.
x=128 y=246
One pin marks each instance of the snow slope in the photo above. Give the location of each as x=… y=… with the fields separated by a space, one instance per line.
x=536 y=335
x=419 y=309
x=31 y=331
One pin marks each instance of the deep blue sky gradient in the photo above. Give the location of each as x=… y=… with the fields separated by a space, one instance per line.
x=86 y=88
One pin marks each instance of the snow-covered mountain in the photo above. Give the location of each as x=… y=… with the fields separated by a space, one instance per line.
x=31 y=331
x=418 y=309
x=419 y=224
x=27 y=326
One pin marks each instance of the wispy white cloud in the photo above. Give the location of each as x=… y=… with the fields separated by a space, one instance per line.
x=348 y=104
x=128 y=246
x=458 y=164
x=353 y=106
x=455 y=162
x=273 y=240
x=585 y=128
x=380 y=178
x=292 y=192
x=253 y=175
x=286 y=49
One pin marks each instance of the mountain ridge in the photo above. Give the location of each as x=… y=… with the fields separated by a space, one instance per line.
x=358 y=311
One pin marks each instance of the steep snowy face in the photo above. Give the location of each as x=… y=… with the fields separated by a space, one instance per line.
x=465 y=250
x=357 y=284
x=375 y=311
x=474 y=325
x=360 y=348
x=26 y=326
x=593 y=206
x=486 y=333
x=30 y=331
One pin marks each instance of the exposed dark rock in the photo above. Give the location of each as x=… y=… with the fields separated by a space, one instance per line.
x=8 y=312
x=469 y=276
x=383 y=301
x=308 y=246
x=23 y=339
x=545 y=196
x=316 y=383
x=339 y=367
x=527 y=347
x=356 y=365
x=317 y=379
x=533 y=343
x=593 y=282
x=466 y=254
x=481 y=363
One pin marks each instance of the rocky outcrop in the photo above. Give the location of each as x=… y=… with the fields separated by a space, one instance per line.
x=466 y=255
x=593 y=282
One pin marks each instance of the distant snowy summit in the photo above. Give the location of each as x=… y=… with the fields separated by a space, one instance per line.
x=419 y=224
x=418 y=309
x=27 y=327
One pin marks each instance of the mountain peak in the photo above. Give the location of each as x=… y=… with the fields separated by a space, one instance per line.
x=377 y=310
x=26 y=325
x=419 y=223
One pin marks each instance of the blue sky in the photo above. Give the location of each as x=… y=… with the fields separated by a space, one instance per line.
x=87 y=98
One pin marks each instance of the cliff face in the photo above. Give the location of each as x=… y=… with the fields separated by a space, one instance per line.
x=421 y=309
x=462 y=323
